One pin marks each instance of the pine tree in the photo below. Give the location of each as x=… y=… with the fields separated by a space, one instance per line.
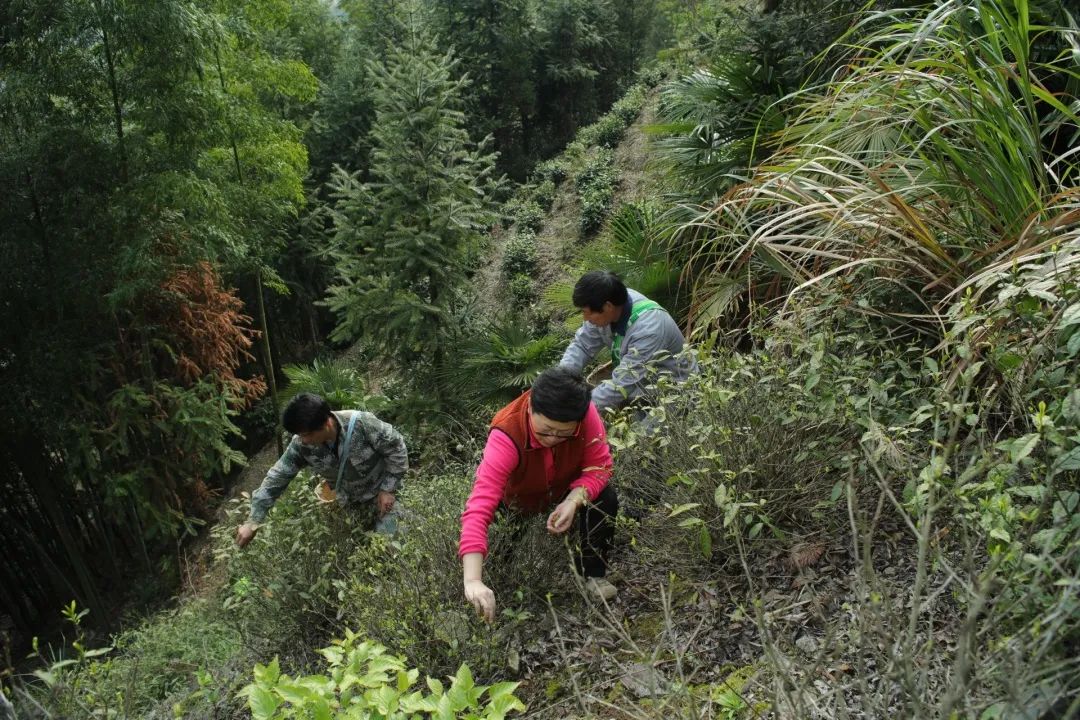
x=402 y=242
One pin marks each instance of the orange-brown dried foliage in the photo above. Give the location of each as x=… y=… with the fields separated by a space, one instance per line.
x=212 y=334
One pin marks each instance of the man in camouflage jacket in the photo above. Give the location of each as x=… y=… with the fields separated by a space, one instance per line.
x=374 y=464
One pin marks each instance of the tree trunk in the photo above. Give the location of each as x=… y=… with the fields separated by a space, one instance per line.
x=30 y=457
x=114 y=88
x=268 y=357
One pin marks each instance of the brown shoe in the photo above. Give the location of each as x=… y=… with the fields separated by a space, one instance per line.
x=600 y=588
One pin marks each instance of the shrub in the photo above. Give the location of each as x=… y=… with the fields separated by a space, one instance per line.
x=529 y=216
x=605 y=132
x=544 y=194
x=555 y=171
x=500 y=362
x=755 y=445
x=283 y=590
x=652 y=75
x=409 y=595
x=364 y=680
x=519 y=256
x=628 y=107
x=336 y=381
x=191 y=657
x=596 y=190
x=522 y=290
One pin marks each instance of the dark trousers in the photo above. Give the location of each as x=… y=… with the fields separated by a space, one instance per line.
x=596 y=530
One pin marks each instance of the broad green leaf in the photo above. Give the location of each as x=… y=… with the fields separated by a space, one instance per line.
x=1019 y=448
x=333 y=655
x=292 y=692
x=705 y=542
x=262 y=702
x=680 y=509
x=837 y=490
x=1070 y=460
x=268 y=674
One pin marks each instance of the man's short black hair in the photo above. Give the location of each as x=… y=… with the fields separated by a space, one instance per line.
x=597 y=287
x=305 y=413
x=561 y=395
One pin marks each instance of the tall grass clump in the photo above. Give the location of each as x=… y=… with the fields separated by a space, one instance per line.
x=946 y=147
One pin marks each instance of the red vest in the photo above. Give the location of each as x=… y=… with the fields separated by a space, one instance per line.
x=529 y=489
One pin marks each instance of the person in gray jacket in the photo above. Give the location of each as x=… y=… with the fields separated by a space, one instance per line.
x=644 y=340
x=361 y=458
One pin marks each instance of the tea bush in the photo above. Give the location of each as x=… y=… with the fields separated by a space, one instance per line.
x=409 y=595
x=605 y=132
x=529 y=216
x=364 y=680
x=522 y=290
x=544 y=194
x=596 y=189
x=520 y=255
x=553 y=171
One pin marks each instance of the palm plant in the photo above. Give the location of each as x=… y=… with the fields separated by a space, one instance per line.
x=337 y=382
x=930 y=161
x=498 y=364
x=721 y=118
x=634 y=247
x=714 y=121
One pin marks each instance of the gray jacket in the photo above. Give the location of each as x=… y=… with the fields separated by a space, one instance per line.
x=650 y=347
x=376 y=462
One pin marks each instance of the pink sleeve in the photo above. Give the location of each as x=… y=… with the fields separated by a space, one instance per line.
x=499 y=460
x=596 y=466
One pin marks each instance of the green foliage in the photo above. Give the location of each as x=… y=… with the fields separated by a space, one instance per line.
x=364 y=680
x=942 y=163
x=402 y=242
x=629 y=106
x=596 y=189
x=544 y=194
x=150 y=669
x=528 y=216
x=143 y=140
x=555 y=170
x=522 y=290
x=408 y=596
x=500 y=362
x=632 y=246
x=519 y=256
x=751 y=447
x=288 y=583
x=608 y=130
x=338 y=383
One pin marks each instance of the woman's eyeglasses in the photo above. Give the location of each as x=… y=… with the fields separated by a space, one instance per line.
x=563 y=435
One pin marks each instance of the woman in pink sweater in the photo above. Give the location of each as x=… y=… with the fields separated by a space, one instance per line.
x=547 y=452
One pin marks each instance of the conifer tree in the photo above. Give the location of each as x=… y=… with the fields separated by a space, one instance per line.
x=402 y=242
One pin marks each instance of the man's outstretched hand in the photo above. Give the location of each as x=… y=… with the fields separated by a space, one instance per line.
x=245 y=533
x=385 y=502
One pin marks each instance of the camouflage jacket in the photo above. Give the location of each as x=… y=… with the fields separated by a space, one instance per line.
x=377 y=460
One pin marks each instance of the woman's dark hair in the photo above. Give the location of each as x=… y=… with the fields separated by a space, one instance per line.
x=561 y=395
x=305 y=413
x=597 y=287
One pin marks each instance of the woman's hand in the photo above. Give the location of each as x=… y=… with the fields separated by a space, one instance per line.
x=482 y=598
x=562 y=517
